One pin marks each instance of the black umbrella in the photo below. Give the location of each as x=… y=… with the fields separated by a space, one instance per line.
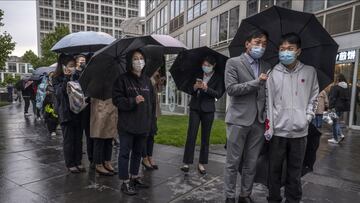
x=187 y=66
x=318 y=47
x=108 y=63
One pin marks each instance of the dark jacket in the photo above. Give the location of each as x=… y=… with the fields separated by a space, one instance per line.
x=205 y=100
x=134 y=118
x=29 y=91
x=339 y=97
x=62 y=101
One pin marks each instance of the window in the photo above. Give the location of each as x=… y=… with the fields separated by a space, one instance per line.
x=46 y=25
x=12 y=67
x=202 y=41
x=118 y=22
x=320 y=19
x=196 y=10
x=132 y=13
x=22 y=67
x=46 y=13
x=265 y=4
x=313 y=6
x=46 y=3
x=176 y=8
x=150 y=25
x=109 y=31
x=92 y=8
x=78 y=18
x=133 y=3
x=203 y=8
x=162 y=20
x=62 y=25
x=92 y=20
x=77 y=28
x=284 y=3
x=77 y=5
x=196 y=37
x=120 y=12
x=357 y=18
x=339 y=22
x=62 y=15
x=95 y=29
x=106 y=22
x=214 y=35
x=252 y=7
x=120 y=3
x=106 y=1
x=331 y=3
x=216 y=3
x=118 y=34
x=62 y=4
x=233 y=22
x=224 y=27
x=106 y=10
x=199 y=8
x=189 y=38
x=181 y=38
x=150 y=5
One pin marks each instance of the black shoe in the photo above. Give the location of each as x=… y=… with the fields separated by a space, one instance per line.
x=128 y=188
x=230 y=200
x=202 y=172
x=156 y=167
x=148 y=168
x=73 y=170
x=185 y=169
x=138 y=183
x=245 y=200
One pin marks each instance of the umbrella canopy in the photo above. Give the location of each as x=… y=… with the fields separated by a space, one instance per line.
x=187 y=66
x=39 y=72
x=318 y=47
x=80 y=42
x=108 y=63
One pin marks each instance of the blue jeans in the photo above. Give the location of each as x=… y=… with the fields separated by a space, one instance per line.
x=317 y=121
x=336 y=127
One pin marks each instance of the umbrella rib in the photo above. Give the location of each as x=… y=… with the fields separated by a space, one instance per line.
x=307 y=23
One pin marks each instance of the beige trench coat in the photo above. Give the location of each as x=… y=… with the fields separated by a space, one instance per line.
x=103 y=119
x=323 y=102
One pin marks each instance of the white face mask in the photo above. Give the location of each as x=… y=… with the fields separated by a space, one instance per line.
x=138 y=65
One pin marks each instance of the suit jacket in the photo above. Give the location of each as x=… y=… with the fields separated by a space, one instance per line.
x=247 y=92
x=205 y=100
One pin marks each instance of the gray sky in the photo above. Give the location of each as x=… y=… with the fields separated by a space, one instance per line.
x=20 y=22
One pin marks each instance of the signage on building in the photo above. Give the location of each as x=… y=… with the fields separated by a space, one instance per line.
x=346 y=56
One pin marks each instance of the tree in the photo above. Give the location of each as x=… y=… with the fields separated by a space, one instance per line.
x=48 y=57
x=6 y=44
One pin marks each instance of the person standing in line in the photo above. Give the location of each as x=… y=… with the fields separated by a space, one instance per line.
x=339 y=103
x=323 y=104
x=292 y=95
x=245 y=78
x=133 y=95
x=69 y=121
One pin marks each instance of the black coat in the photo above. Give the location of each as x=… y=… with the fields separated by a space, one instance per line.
x=339 y=98
x=205 y=101
x=134 y=118
x=62 y=104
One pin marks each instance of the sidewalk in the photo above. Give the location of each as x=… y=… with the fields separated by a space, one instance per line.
x=32 y=170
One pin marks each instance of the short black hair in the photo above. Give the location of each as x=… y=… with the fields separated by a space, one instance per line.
x=341 y=78
x=256 y=34
x=210 y=59
x=129 y=55
x=291 y=38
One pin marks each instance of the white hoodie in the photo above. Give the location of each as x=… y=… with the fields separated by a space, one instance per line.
x=291 y=97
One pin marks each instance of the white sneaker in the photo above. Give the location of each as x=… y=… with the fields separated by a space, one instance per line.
x=38 y=119
x=26 y=114
x=332 y=140
x=53 y=134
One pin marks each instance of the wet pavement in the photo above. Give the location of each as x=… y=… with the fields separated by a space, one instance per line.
x=32 y=170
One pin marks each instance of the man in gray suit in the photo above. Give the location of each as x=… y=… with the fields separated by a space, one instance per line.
x=245 y=78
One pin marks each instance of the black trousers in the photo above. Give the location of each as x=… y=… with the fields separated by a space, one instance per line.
x=102 y=150
x=134 y=144
x=85 y=125
x=148 y=147
x=72 y=144
x=51 y=124
x=293 y=150
x=206 y=120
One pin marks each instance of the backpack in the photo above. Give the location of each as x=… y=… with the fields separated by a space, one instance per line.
x=77 y=99
x=41 y=93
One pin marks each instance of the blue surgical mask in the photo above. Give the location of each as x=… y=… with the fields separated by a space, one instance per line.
x=257 y=52
x=207 y=69
x=287 y=57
